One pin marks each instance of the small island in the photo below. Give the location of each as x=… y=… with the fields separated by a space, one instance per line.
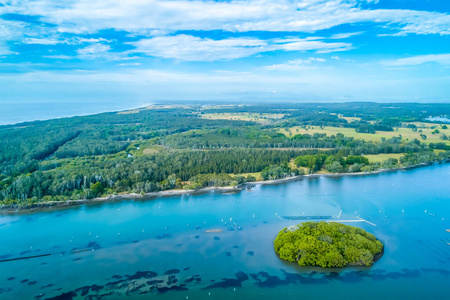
x=327 y=245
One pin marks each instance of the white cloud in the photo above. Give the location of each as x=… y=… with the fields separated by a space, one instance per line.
x=87 y=16
x=53 y=40
x=41 y=41
x=190 y=48
x=4 y=51
x=307 y=45
x=59 y=56
x=187 y=47
x=339 y=36
x=129 y=64
x=443 y=59
x=157 y=18
x=155 y=84
x=93 y=51
x=294 y=65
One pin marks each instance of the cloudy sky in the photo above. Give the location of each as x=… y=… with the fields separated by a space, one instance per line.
x=148 y=50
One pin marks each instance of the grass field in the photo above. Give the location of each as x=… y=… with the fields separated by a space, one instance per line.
x=152 y=149
x=350 y=119
x=406 y=133
x=437 y=151
x=257 y=175
x=382 y=157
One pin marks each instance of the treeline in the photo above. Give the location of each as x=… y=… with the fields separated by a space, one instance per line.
x=274 y=172
x=255 y=137
x=339 y=163
x=73 y=178
x=393 y=113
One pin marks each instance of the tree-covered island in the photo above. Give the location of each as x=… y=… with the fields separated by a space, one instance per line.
x=327 y=245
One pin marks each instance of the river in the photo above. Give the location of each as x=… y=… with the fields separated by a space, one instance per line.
x=162 y=247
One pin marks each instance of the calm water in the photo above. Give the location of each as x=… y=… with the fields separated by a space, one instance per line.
x=12 y=112
x=160 y=248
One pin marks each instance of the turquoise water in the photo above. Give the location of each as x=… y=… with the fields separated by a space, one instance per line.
x=160 y=248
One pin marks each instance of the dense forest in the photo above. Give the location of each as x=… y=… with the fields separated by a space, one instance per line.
x=166 y=147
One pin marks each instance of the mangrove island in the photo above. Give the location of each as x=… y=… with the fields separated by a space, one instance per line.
x=327 y=245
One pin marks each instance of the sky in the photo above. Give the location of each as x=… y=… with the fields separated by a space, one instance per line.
x=136 y=51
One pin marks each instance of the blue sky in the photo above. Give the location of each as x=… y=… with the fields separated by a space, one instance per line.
x=147 y=51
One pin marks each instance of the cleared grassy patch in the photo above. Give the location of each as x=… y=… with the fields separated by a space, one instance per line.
x=152 y=150
x=382 y=157
x=257 y=175
x=350 y=119
x=437 y=151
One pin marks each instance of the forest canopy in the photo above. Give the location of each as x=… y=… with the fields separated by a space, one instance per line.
x=327 y=245
x=160 y=147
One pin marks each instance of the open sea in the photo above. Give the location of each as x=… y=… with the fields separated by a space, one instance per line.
x=12 y=112
x=219 y=246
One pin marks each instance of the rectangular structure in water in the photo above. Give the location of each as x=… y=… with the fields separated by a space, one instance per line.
x=308 y=217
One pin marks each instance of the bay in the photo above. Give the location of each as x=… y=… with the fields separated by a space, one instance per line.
x=219 y=246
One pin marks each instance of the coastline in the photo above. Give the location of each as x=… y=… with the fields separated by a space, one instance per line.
x=56 y=205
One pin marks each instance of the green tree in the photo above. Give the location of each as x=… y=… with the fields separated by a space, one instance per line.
x=97 y=189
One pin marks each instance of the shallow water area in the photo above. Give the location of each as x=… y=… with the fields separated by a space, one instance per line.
x=217 y=246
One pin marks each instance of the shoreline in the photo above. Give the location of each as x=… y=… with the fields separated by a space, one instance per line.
x=56 y=205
